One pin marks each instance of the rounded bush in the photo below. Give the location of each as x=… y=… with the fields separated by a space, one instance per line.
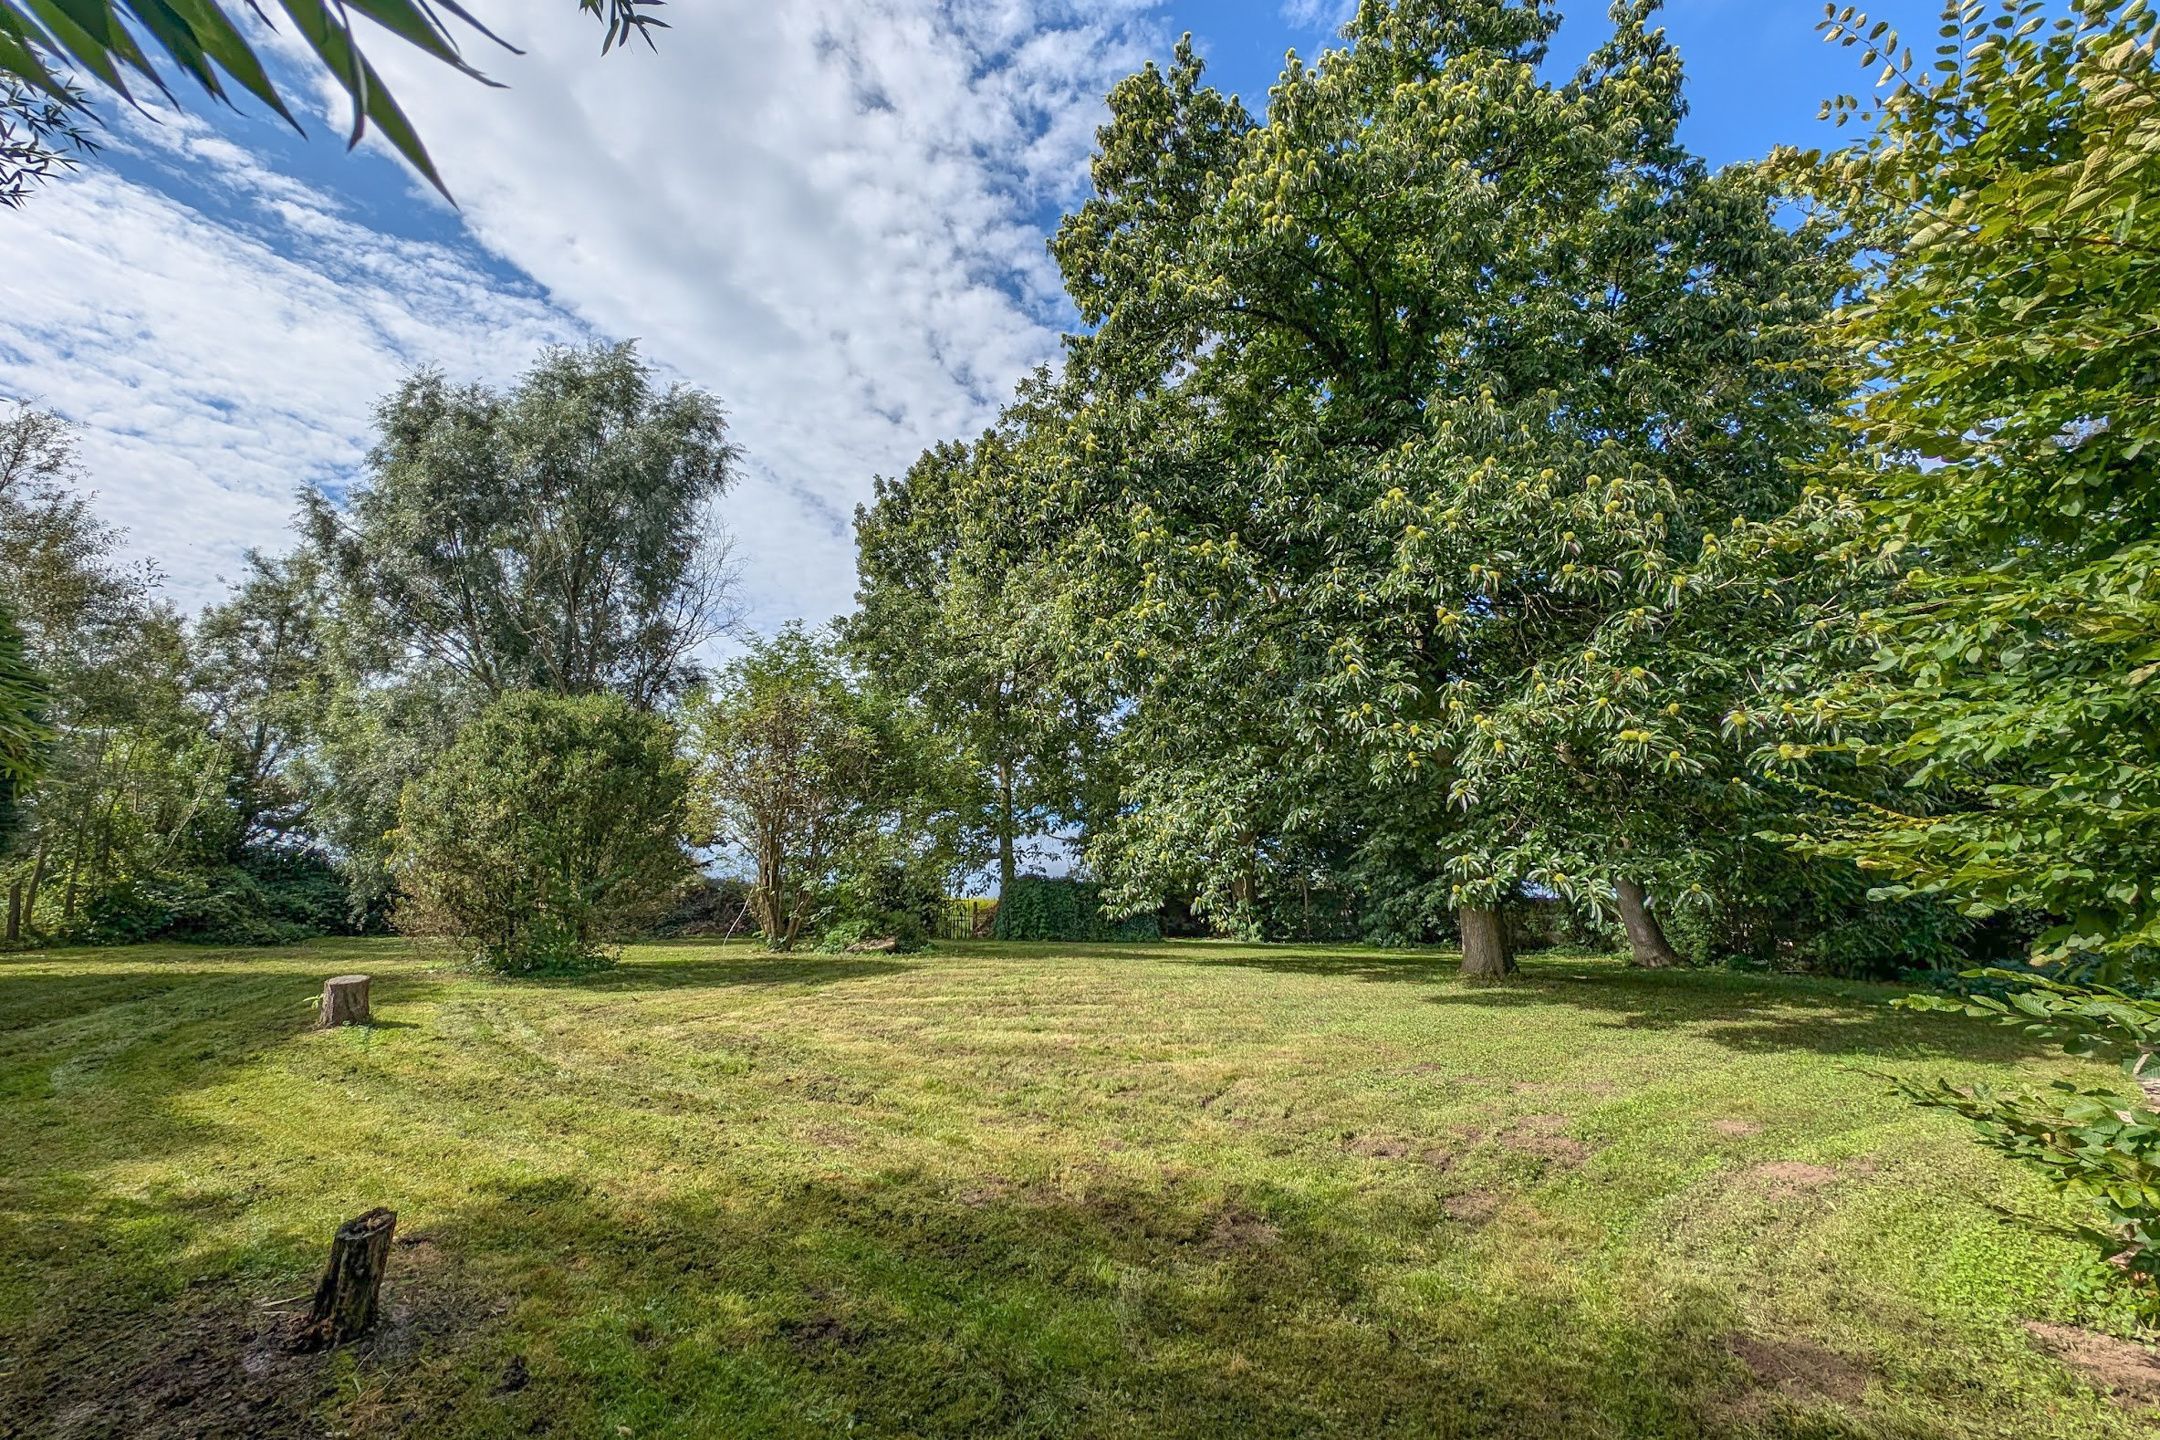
x=549 y=831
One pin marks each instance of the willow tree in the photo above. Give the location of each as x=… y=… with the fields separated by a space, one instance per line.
x=1405 y=416
x=24 y=734
x=558 y=536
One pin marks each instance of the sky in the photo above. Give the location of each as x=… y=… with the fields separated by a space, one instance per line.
x=830 y=213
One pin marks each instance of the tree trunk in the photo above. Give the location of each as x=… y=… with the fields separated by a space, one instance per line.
x=344 y=1002
x=1486 y=954
x=1008 y=822
x=1647 y=946
x=1245 y=889
x=14 y=912
x=765 y=896
x=351 y=1283
x=37 y=878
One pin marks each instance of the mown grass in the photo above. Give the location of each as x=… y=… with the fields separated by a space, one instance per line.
x=1178 y=1190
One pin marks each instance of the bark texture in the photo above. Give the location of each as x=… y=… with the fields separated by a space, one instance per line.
x=1647 y=946
x=1486 y=953
x=344 y=1001
x=351 y=1286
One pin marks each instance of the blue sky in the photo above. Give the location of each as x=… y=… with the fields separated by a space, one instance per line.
x=830 y=213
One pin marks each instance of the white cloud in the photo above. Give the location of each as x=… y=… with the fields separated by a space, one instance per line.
x=1328 y=15
x=213 y=372
x=828 y=213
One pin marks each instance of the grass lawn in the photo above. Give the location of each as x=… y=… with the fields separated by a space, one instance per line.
x=1173 y=1190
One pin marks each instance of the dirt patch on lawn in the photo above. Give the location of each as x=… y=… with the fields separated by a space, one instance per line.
x=2129 y=1372
x=1738 y=1129
x=1594 y=1089
x=994 y=1190
x=1544 y=1137
x=221 y=1366
x=1472 y=1207
x=1386 y=1147
x=1786 y=1179
x=1798 y=1369
x=811 y=1334
x=1236 y=1229
x=1441 y=1068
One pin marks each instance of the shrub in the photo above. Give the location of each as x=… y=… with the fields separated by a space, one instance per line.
x=547 y=832
x=707 y=907
x=1043 y=907
x=269 y=898
x=901 y=899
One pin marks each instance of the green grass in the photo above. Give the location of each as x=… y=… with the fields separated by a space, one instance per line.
x=1174 y=1190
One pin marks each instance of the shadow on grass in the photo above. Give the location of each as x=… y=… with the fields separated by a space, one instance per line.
x=1744 y=1012
x=752 y=968
x=1756 y=1015
x=905 y=1303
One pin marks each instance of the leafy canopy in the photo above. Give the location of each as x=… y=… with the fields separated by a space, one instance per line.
x=557 y=537
x=24 y=735
x=2005 y=448
x=796 y=775
x=961 y=614
x=1413 y=428
x=2004 y=451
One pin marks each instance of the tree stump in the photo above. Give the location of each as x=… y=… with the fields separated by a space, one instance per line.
x=344 y=1001
x=351 y=1283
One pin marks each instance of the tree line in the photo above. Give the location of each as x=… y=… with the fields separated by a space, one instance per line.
x=470 y=702
x=1461 y=497
x=1461 y=493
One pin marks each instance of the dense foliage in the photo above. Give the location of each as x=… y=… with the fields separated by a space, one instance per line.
x=549 y=831
x=832 y=799
x=234 y=777
x=135 y=781
x=553 y=537
x=1045 y=907
x=1408 y=495
x=2006 y=442
x=961 y=616
x=559 y=536
x=24 y=734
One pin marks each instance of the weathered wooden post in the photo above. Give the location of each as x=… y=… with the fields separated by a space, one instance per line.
x=351 y=1283
x=344 y=1001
